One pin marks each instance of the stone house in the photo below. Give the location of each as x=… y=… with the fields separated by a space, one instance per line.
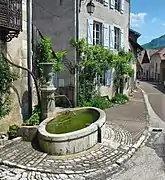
x=157 y=65
x=65 y=20
x=135 y=48
x=13 y=43
x=144 y=58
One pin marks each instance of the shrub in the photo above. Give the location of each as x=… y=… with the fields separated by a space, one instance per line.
x=120 y=99
x=99 y=102
x=35 y=117
x=12 y=132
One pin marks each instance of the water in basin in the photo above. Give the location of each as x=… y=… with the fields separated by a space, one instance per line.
x=70 y=121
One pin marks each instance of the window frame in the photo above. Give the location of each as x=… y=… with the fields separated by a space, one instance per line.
x=99 y=31
x=117 y=5
x=117 y=38
x=100 y=1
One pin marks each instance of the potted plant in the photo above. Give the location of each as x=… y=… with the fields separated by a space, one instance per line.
x=48 y=63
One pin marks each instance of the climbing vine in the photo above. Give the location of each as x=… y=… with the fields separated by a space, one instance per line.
x=44 y=53
x=122 y=66
x=6 y=81
x=94 y=60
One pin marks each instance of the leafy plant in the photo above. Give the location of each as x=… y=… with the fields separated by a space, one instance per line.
x=12 y=132
x=44 y=54
x=35 y=117
x=119 y=99
x=99 y=102
x=121 y=64
x=93 y=60
x=6 y=81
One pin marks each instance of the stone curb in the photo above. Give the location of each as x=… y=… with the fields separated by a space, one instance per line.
x=132 y=150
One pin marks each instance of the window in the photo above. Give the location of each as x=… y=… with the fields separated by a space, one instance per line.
x=101 y=79
x=100 y=1
x=156 y=67
x=117 y=4
x=117 y=38
x=97 y=33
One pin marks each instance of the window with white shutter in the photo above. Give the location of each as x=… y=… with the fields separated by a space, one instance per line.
x=112 y=37
x=97 y=33
x=108 y=77
x=90 y=32
x=122 y=38
x=117 y=39
x=106 y=36
x=106 y=3
x=122 y=6
x=112 y=4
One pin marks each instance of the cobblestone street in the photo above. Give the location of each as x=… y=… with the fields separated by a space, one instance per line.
x=22 y=160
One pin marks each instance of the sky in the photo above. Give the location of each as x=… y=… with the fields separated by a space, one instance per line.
x=148 y=18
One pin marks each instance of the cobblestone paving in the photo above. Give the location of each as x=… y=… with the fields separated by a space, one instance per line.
x=25 y=162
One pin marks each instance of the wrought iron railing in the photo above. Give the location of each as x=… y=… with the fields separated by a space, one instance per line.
x=11 y=14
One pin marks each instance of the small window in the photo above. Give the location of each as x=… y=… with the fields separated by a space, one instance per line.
x=117 y=38
x=156 y=67
x=100 y=1
x=118 y=5
x=101 y=79
x=97 y=33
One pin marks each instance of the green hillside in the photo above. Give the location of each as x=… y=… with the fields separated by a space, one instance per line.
x=155 y=43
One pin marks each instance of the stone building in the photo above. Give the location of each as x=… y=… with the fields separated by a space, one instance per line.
x=13 y=42
x=157 y=65
x=64 y=20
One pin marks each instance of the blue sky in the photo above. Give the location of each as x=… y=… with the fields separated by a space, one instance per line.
x=148 y=18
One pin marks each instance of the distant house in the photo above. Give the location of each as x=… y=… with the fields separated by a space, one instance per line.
x=135 y=48
x=157 y=65
x=144 y=58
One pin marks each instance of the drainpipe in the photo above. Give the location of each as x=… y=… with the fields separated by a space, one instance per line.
x=29 y=53
x=76 y=51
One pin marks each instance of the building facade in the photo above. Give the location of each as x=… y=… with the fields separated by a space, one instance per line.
x=13 y=43
x=108 y=26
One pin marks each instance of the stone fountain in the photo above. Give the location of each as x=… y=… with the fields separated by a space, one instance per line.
x=47 y=92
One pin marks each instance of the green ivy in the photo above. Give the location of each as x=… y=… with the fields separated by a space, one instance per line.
x=94 y=60
x=6 y=81
x=122 y=66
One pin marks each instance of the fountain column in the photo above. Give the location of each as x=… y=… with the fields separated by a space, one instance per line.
x=47 y=92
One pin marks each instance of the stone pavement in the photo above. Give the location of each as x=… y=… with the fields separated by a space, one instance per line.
x=22 y=160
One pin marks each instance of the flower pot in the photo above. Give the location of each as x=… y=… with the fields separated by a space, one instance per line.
x=47 y=72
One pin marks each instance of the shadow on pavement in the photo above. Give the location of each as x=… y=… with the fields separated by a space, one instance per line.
x=159 y=146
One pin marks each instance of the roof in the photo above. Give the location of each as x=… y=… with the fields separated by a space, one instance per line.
x=136 y=44
x=145 y=56
x=161 y=53
x=135 y=32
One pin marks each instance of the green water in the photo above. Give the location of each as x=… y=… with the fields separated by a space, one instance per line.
x=72 y=121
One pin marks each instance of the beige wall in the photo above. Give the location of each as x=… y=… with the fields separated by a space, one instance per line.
x=155 y=59
x=105 y=15
x=17 y=52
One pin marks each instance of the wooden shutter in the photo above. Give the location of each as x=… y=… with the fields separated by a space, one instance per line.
x=112 y=4
x=108 y=77
x=112 y=37
x=90 y=31
x=106 y=3
x=106 y=35
x=122 y=6
x=122 y=38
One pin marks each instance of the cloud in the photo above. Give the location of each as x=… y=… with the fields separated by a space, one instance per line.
x=138 y=19
x=163 y=24
x=154 y=20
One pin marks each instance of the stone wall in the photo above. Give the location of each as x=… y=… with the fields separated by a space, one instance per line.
x=16 y=51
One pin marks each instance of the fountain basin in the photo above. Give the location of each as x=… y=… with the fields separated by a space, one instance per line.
x=72 y=142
